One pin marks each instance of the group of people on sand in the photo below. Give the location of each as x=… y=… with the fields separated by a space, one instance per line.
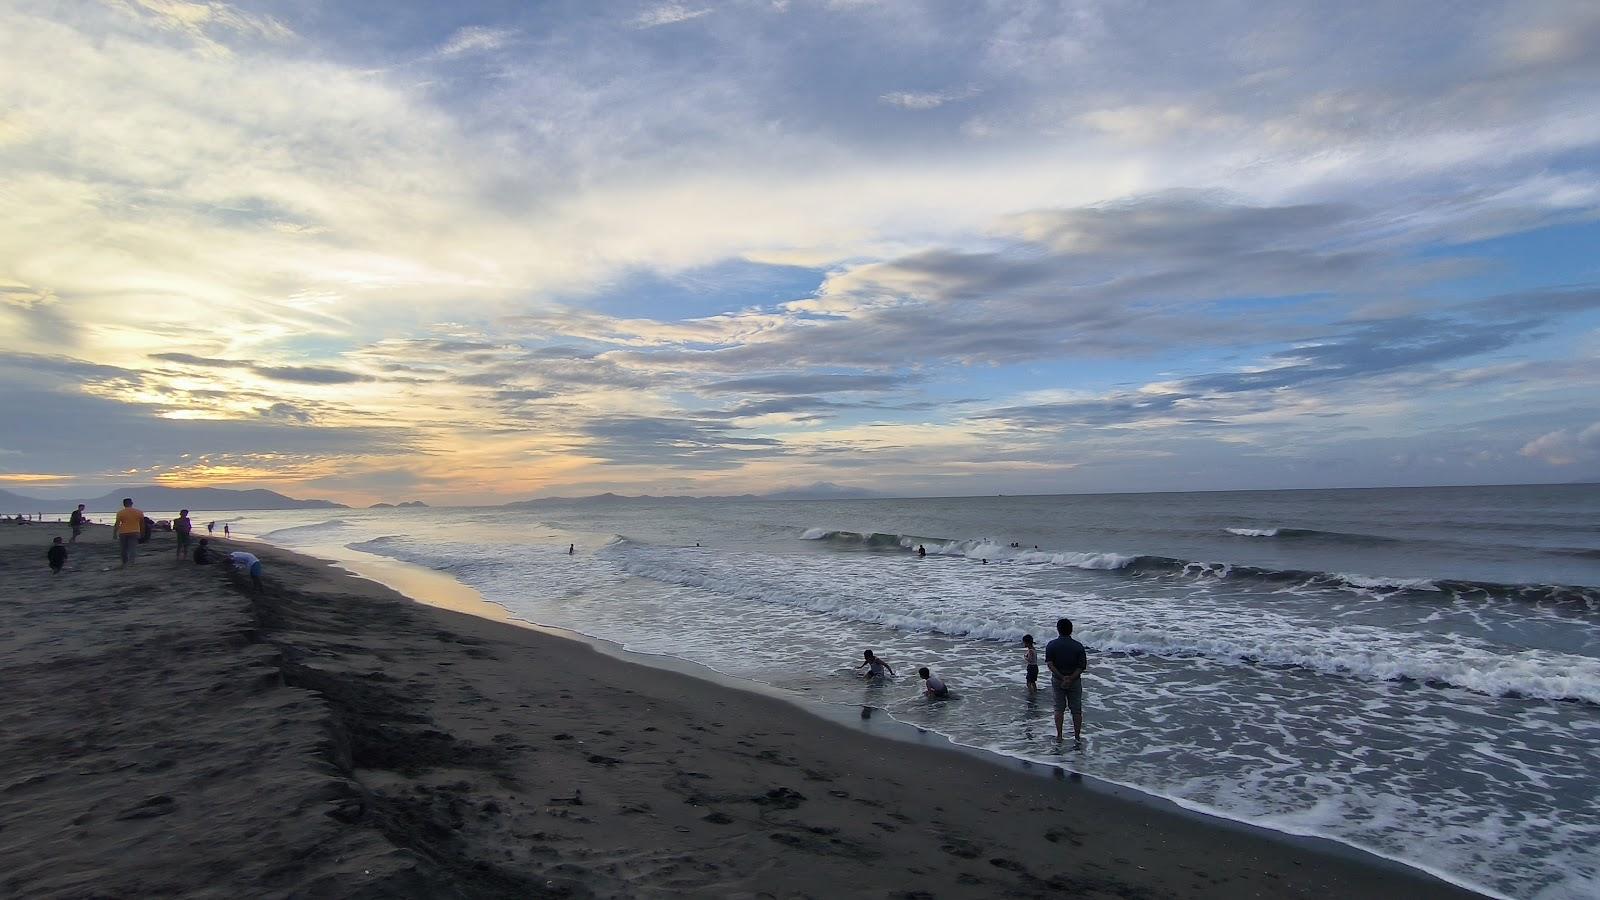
x=1066 y=658
x=132 y=527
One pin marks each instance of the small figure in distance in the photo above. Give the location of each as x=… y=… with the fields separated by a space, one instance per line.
x=76 y=521
x=1067 y=661
x=247 y=562
x=211 y=527
x=225 y=531
x=57 y=554
x=571 y=549
x=922 y=552
x=202 y=553
x=181 y=526
x=934 y=688
x=1030 y=655
x=875 y=667
x=129 y=524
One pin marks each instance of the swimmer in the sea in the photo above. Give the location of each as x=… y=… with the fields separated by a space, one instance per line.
x=875 y=667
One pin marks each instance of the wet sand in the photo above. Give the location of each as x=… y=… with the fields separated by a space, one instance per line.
x=167 y=732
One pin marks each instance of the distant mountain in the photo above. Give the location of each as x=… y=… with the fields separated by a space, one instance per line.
x=409 y=504
x=822 y=490
x=157 y=497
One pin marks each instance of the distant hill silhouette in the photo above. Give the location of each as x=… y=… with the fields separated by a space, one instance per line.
x=822 y=490
x=158 y=497
x=412 y=504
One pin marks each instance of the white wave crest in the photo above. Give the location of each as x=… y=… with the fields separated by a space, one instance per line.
x=1254 y=532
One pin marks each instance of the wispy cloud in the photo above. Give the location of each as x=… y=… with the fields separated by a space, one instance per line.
x=669 y=14
x=475 y=39
x=927 y=99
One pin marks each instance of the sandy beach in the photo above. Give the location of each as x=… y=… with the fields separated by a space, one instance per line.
x=168 y=733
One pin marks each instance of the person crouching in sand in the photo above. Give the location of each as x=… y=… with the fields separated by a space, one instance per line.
x=875 y=667
x=934 y=687
x=202 y=552
x=57 y=554
x=247 y=562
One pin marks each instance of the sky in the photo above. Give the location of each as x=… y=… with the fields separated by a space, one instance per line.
x=489 y=250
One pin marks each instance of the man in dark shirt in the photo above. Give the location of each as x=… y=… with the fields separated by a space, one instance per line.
x=1067 y=661
x=57 y=555
x=76 y=521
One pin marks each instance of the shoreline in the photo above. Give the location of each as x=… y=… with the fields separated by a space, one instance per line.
x=436 y=752
x=428 y=587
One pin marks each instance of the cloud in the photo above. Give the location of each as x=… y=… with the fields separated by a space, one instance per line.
x=668 y=14
x=675 y=443
x=474 y=39
x=308 y=374
x=810 y=383
x=918 y=100
x=1565 y=447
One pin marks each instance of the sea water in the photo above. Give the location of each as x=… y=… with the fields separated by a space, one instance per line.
x=1415 y=672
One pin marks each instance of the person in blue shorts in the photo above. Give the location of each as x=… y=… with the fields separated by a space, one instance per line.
x=247 y=562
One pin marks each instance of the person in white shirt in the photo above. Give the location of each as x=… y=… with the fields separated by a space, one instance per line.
x=247 y=562
x=935 y=688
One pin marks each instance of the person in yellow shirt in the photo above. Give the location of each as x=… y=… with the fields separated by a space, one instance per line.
x=129 y=525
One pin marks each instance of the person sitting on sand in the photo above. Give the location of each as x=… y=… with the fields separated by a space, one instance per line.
x=57 y=554
x=130 y=522
x=1030 y=656
x=181 y=527
x=934 y=687
x=875 y=667
x=202 y=553
x=247 y=562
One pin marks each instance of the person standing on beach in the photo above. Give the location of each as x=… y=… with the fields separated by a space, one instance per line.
x=1030 y=656
x=128 y=527
x=57 y=554
x=225 y=531
x=76 y=521
x=211 y=527
x=181 y=526
x=1067 y=661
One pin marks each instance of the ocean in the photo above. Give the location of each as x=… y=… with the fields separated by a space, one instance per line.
x=1415 y=672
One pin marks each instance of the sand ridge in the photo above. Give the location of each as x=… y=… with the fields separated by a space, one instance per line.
x=330 y=738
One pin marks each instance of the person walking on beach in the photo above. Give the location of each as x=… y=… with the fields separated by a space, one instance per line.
x=1030 y=656
x=128 y=527
x=875 y=667
x=57 y=555
x=76 y=521
x=211 y=527
x=1067 y=661
x=934 y=687
x=225 y=531
x=181 y=526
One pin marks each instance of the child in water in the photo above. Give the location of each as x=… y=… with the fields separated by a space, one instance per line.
x=875 y=666
x=1031 y=656
x=934 y=688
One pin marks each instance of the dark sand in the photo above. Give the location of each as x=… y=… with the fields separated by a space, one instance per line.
x=165 y=733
